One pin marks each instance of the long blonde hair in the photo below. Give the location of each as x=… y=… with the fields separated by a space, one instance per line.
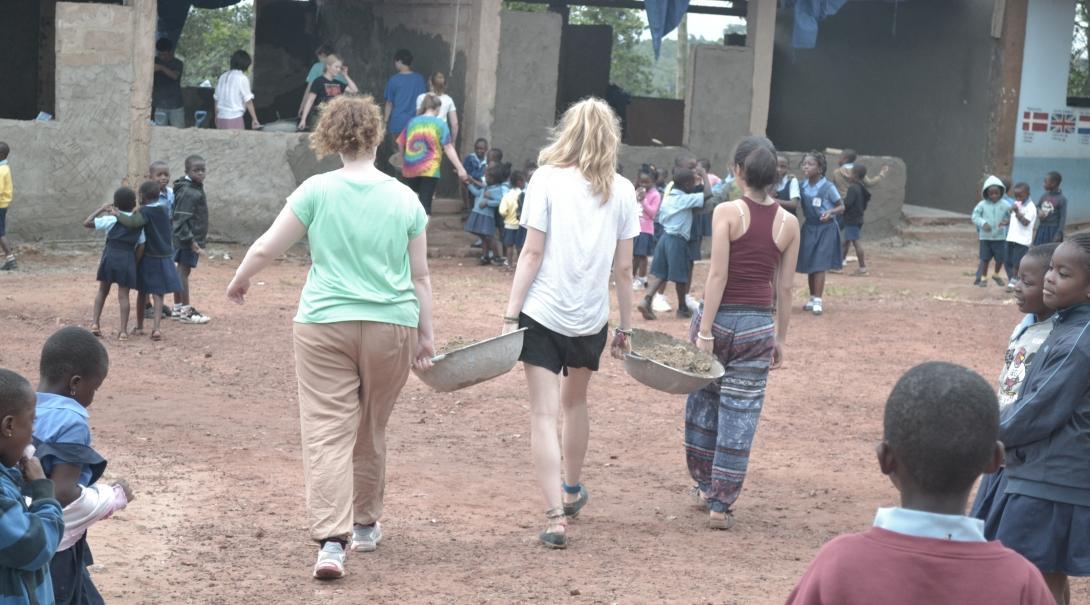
x=586 y=138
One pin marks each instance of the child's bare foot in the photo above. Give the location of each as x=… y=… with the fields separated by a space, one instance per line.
x=122 y=336
x=96 y=330
x=156 y=335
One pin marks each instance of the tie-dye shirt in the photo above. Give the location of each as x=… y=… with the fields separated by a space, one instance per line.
x=422 y=142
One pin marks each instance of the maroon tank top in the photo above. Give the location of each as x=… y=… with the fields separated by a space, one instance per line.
x=753 y=260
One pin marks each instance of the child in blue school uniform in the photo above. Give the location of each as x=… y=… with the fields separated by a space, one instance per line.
x=73 y=366
x=31 y=522
x=159 y=172
x=119 y=258
x=514 y=235
x=819 y=246
x=474 y=163
x=156 y=274
x=482 y=220
x=1044 y=510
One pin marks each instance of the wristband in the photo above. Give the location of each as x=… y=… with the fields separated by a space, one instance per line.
x=617 y=331
x=513 y=320
x=702 y=337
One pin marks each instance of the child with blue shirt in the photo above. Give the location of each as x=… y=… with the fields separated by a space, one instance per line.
x=474 y=163
x=72 y=368
x=119 y=258
x=991 y=217
x=482 y=220
x=819 y=247
x=672 y=260
x=31 y=522
x=159 y=172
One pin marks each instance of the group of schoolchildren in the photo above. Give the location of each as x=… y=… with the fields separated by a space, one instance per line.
x=154 y=239
x=493 y=196
x=1008 y=222
x=50 y=492
x=675 y=217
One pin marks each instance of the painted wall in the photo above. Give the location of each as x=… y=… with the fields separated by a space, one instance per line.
x=1050 y=135
x=923 y=94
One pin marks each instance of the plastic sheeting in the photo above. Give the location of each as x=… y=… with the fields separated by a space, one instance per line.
x=808 y=13
x=663 y=17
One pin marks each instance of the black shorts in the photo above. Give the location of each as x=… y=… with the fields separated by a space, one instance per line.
x=555 y=352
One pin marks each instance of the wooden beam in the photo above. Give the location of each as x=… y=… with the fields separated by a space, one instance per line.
x=737 y=8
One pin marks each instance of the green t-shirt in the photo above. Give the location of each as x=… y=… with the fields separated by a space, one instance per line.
x=359 y=236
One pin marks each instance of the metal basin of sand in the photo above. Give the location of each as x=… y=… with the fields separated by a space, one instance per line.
x=668 y=364
x=463 y=363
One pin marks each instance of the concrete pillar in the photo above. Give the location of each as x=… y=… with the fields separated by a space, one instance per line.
x=144 y=16
x=1011 y=16
x=761 y=37
x=482 y=49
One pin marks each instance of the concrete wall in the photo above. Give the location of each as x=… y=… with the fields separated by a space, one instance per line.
x=528 y=67
x=924 y=94
x=718 y=101
x=63 y=169
x=883 y=214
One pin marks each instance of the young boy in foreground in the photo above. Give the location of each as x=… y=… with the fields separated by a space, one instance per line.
x=941 y=424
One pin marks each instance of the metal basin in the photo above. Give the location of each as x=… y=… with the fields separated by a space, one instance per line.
x=473 y=364
x=661 y=377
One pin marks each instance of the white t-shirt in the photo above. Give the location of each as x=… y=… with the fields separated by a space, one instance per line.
x=446 y=105
x=232 y=92
x=570 y=294
x=1019 y=233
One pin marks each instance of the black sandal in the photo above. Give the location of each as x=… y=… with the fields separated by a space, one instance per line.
x=571 y=509
x=554 y=539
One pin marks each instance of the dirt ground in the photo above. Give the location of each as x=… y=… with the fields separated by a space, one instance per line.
x=204 y=425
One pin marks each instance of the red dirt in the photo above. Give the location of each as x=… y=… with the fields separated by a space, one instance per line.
x=204 y=425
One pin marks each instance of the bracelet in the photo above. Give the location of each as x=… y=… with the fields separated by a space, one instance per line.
x=627 y=332
x=513 y=320
x=702 y=337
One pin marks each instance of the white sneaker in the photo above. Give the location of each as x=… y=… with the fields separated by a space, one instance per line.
x=330 y=565
x=639 y=283
x=659 y=304
x=365 y=538
x=809 y=306
x=850 y=259
x=817 y=308
x=692 y=303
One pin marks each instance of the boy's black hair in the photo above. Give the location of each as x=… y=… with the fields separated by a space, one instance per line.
x=1020 y=185
x=156 y=164
x=499 y=171
x=684 y=178
x=942 y=422
x=1055 y=177
x=517 y=176
x=164 y=44
x=849 y=154
x=4 y=150
x=16 y=394
x=125 y=199
x=189 y=161
x=1043 y=252
x=859 y=171
x=404 y=56
x=149 y=190
x=241 y=60
x=683 y=158
x=480 y=140
x=72 y=351
x=495 y=151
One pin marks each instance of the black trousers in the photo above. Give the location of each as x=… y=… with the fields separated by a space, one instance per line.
x=424 y=186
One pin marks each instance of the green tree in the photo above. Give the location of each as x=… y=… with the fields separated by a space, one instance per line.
x=210 y=37
x=1078 y=79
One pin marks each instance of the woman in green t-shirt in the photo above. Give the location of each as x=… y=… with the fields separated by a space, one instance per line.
x=364 y=318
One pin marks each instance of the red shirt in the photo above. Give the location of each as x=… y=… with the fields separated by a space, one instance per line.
x=880 y=566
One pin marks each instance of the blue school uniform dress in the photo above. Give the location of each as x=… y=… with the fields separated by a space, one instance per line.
x=156 y=273
x=482 y=221
x=118 y=262
x=819 y=247
x=62 y=435
x=1044 y=510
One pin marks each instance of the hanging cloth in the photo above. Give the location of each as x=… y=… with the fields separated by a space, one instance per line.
x=663 y=17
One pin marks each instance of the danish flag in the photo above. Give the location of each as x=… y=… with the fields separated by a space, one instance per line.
x=1035 y=121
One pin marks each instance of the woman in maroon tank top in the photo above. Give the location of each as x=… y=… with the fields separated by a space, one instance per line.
x=755 y=244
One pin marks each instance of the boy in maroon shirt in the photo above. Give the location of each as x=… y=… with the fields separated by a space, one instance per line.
x=941 y=424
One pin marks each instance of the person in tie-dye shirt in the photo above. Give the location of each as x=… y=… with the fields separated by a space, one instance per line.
x=422 y=145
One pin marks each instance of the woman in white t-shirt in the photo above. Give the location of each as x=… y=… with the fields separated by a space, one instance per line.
x=581 y=218
x=233 y=95
x=437 y=85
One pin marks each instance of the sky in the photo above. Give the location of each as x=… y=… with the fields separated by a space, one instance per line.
x=707 y=26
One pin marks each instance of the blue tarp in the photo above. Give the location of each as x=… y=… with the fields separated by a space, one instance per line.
x=172 y=15
x=808 y=13
x=663 y=17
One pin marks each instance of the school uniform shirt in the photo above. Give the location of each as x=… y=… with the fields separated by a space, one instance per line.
x=62 y=420
x=232 y=93
x=676 y=211
x=1025 y=341
x=29 y=535
x=422 y=142
x=1018 y=233
x=474 y=165
x=911 y=557
x=446 y=105
x=103 y=224
x=402 y=89
x=509 y=208
x=166 y=198
x=325 y=89
x=1045 y=429
x=5 y=184
x=788 y=189
x=570 y=294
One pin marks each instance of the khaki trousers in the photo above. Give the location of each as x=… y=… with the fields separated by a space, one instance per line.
x=350 y=374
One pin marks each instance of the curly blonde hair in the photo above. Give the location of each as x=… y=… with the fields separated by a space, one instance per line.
x=587 y=138
x=349 y=125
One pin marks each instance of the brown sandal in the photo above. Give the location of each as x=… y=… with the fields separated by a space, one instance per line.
x=97 y=331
